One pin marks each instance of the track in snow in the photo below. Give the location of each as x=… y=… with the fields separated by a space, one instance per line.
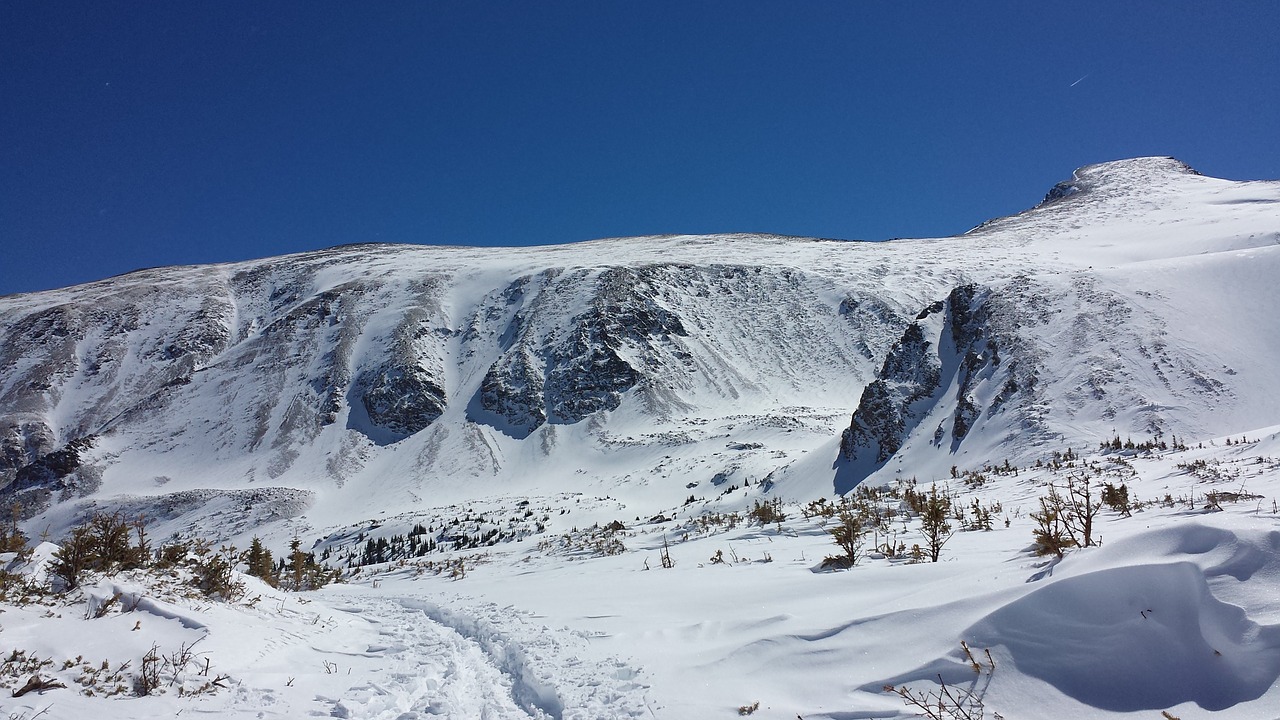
x=489 y=663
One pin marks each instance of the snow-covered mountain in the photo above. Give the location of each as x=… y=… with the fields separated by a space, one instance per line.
x=1138 y=298
x=536 y=467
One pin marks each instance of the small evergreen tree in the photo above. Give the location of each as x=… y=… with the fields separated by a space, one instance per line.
x=12 y=539
x=1117 y=498
x=303 y=572
x=297 y=569
x=214 y=571
x=767 y=512
x=75 y=557
x=101 y=544
x=110 y=535
x=259 y=562
x=849 y=533
x=934 y=511
x=1050 y=533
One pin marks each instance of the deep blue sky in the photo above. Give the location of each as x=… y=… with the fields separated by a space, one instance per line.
x=140 y=134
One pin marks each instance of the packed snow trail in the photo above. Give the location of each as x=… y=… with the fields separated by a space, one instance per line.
x=487 y=663
x=430 y=671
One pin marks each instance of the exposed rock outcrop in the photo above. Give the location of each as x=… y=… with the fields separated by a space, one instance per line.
x=562 y=375
x=935 y=366
x=894 y=402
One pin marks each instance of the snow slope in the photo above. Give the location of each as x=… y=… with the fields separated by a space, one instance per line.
x=358 y=378
x=516 y=402
x=1175 y=611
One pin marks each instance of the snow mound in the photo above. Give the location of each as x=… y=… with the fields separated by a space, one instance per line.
x=1137 y=638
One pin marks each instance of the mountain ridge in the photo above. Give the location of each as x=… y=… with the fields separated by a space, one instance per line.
x=462 y=370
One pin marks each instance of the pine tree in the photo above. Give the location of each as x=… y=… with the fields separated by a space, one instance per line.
x=850 y=532
x=933 y=522
x=297 y=566
x=259 y=561
x=74 y=557
x=1050 y=533
x=12 y=539
x=1117 y=498
x=109 y=533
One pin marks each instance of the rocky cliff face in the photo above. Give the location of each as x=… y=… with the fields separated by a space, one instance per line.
x=948 y=339
x=405 y=392
x=564 y=374
x=1024 y=360
x=970 y=359
x=96 y=360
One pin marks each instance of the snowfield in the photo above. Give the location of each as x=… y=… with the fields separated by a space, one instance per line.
x=601 y=480
x=1176 y=610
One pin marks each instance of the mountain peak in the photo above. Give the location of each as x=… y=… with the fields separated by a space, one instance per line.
x=1129 y=174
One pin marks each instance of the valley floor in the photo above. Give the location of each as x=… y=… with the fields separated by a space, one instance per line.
x=1177 y=610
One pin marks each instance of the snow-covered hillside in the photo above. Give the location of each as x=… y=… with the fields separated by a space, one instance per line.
x=1175 y=611
x=514 y=399
x=358 y=378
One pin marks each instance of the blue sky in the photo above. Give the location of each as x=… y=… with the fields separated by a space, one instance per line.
x=142 y=134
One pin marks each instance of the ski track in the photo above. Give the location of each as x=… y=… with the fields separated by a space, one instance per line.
x=482 y=662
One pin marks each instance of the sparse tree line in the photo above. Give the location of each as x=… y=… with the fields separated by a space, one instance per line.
x=1067 y=513
x=1156 y=443
x=875 y=520
x=464 y=533
x=1066 y=517
x=109 y=543
x=300 y=572
x=870 y=520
